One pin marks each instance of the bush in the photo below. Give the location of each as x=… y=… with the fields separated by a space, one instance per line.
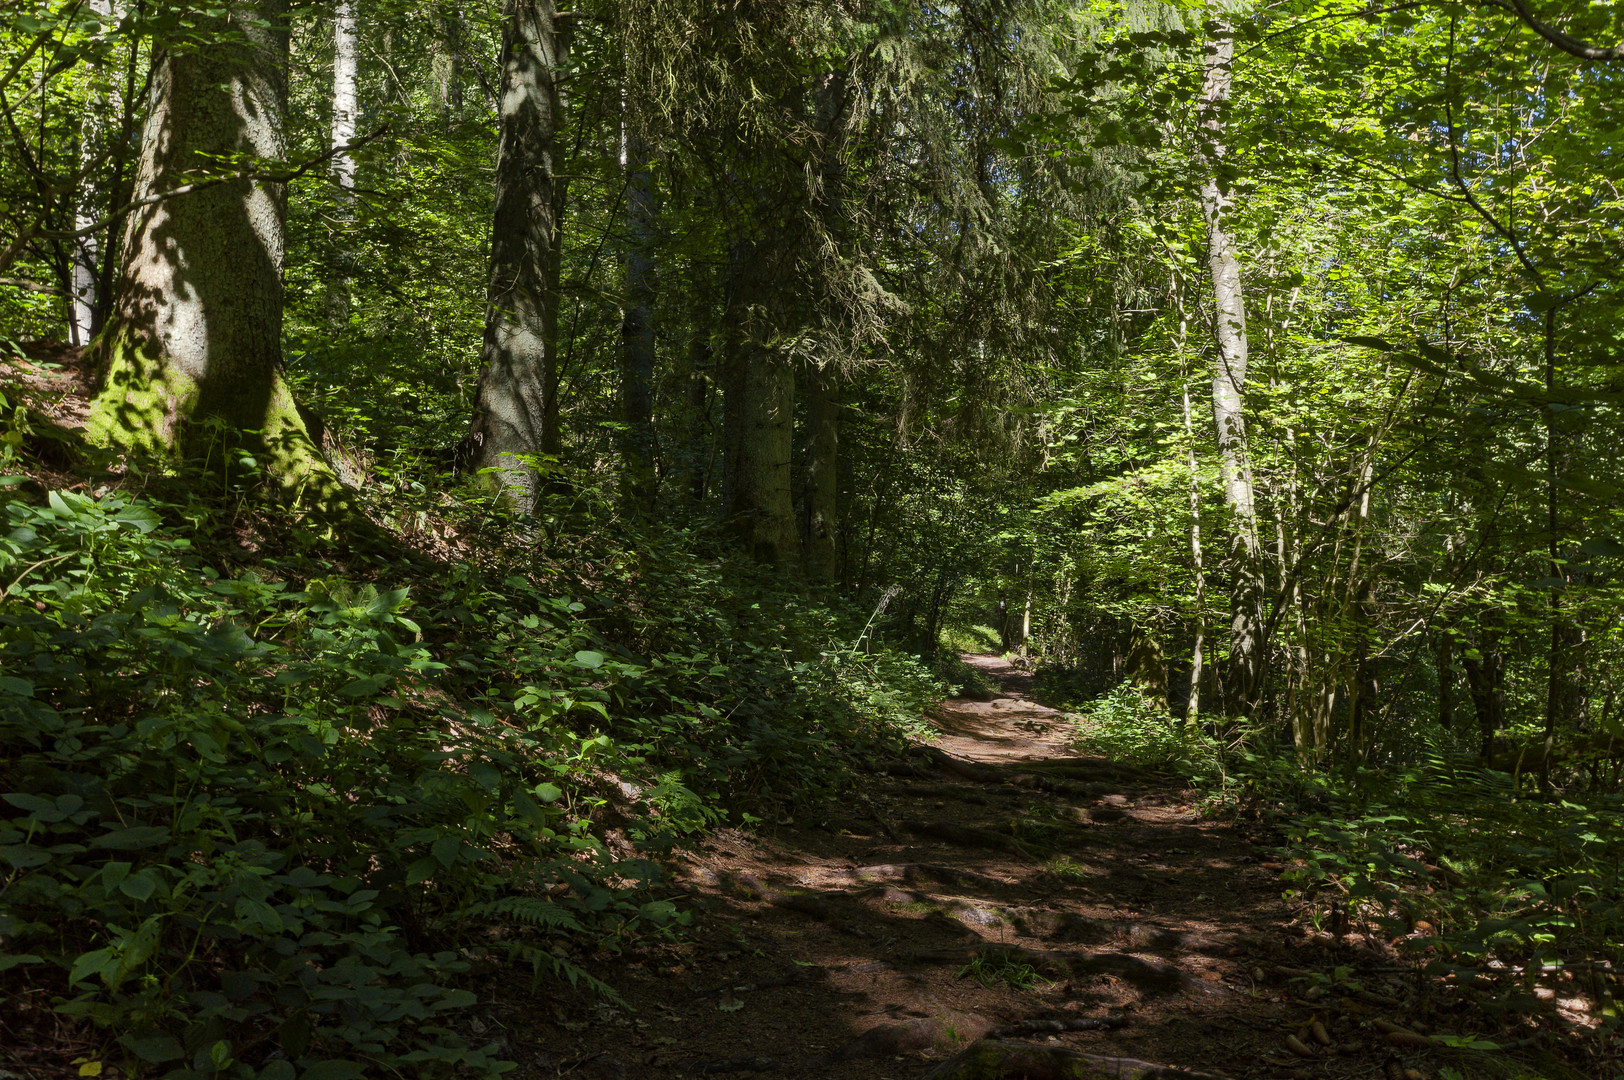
x=262 y=801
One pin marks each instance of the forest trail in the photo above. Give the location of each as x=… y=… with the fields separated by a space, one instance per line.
x=993 y=886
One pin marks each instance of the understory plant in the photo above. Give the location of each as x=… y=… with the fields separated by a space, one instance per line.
x=275 y=814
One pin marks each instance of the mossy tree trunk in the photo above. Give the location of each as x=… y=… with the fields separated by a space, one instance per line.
x=191 y=359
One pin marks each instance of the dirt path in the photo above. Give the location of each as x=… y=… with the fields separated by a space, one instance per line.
x=994 y=882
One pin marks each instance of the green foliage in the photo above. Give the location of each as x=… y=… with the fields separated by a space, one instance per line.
x=992 y=969
x=267 y=798
x=1511 y=890
x=1122 y=725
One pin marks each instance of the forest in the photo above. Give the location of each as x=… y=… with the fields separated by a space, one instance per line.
x=869 y=538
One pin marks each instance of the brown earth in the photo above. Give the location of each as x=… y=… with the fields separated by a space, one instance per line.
x=1103 y=913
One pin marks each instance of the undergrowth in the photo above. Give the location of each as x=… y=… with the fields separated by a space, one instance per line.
x=1481 y=885
x=270 y=804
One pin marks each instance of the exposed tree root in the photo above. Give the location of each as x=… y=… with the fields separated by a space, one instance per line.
x=1089 y=768
x=930 y=1032
x=1056 y=1027
x=793 y=977
x=955 y=792
x=970 y=836
x=1145 y=974
x=993 y=1059
x=1033 y=775
x=921 y=874
x=981 y=774
x=819 y=906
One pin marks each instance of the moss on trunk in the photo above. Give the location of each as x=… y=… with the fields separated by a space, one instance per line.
x=155 y=408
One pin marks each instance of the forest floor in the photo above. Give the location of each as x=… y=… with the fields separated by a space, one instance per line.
x=995 y=886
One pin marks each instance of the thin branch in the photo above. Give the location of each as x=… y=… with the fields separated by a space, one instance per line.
x=1571 y=45
x=303 y=170
x=31 y=286
x=1470 y=199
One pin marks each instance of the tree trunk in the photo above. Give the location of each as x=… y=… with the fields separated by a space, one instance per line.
x=196 y=331
x=447 y=64
x=346 y=79
x=699 y=452
x=1245 y=674
x=84 y=273
x=1192 y=708
x=637 y=324
x=763 y=511
x=1485 y=682
x=822 y=471
x=1441 y=653
x=516 y=408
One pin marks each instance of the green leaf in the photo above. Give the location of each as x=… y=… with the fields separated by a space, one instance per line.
x=142 y=517
x=445 y=849
x=590 y=659
x=155 y=1049
x=334 y=1070
x=548 y=793
x=370 y=684
x=137 y=836
x=90 y=963
x=23 y=856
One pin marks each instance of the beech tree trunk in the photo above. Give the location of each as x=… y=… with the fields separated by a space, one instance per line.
x=1192 y=708
x=194 y=341
x=1245 y=675
x=516 y=407
x=637 y=324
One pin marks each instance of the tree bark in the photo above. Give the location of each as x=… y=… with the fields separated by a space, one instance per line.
x=822 y=471
x=194 y=341
x=763 y=510
x=637 y=324
x=346 y=79
x=1192 y=708
x=447 y=64
x=516 y=408
x=84 y=273
x=1245 y=675
x=1485 y=682
x=1442 y=653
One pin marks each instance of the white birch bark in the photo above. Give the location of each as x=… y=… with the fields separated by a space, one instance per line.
x=92 y=201
x=346 y=77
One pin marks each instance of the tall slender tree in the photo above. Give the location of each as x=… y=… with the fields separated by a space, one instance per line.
x=637 y=322
x=1246 y=656
x=346 y=95
x=515 y=413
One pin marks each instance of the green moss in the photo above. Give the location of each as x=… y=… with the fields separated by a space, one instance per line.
x=142 y=403
x=150 y=408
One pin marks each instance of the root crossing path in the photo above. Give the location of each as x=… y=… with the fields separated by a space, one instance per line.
x=994 y=905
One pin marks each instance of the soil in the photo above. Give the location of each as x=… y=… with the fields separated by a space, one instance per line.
x=994 y=886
